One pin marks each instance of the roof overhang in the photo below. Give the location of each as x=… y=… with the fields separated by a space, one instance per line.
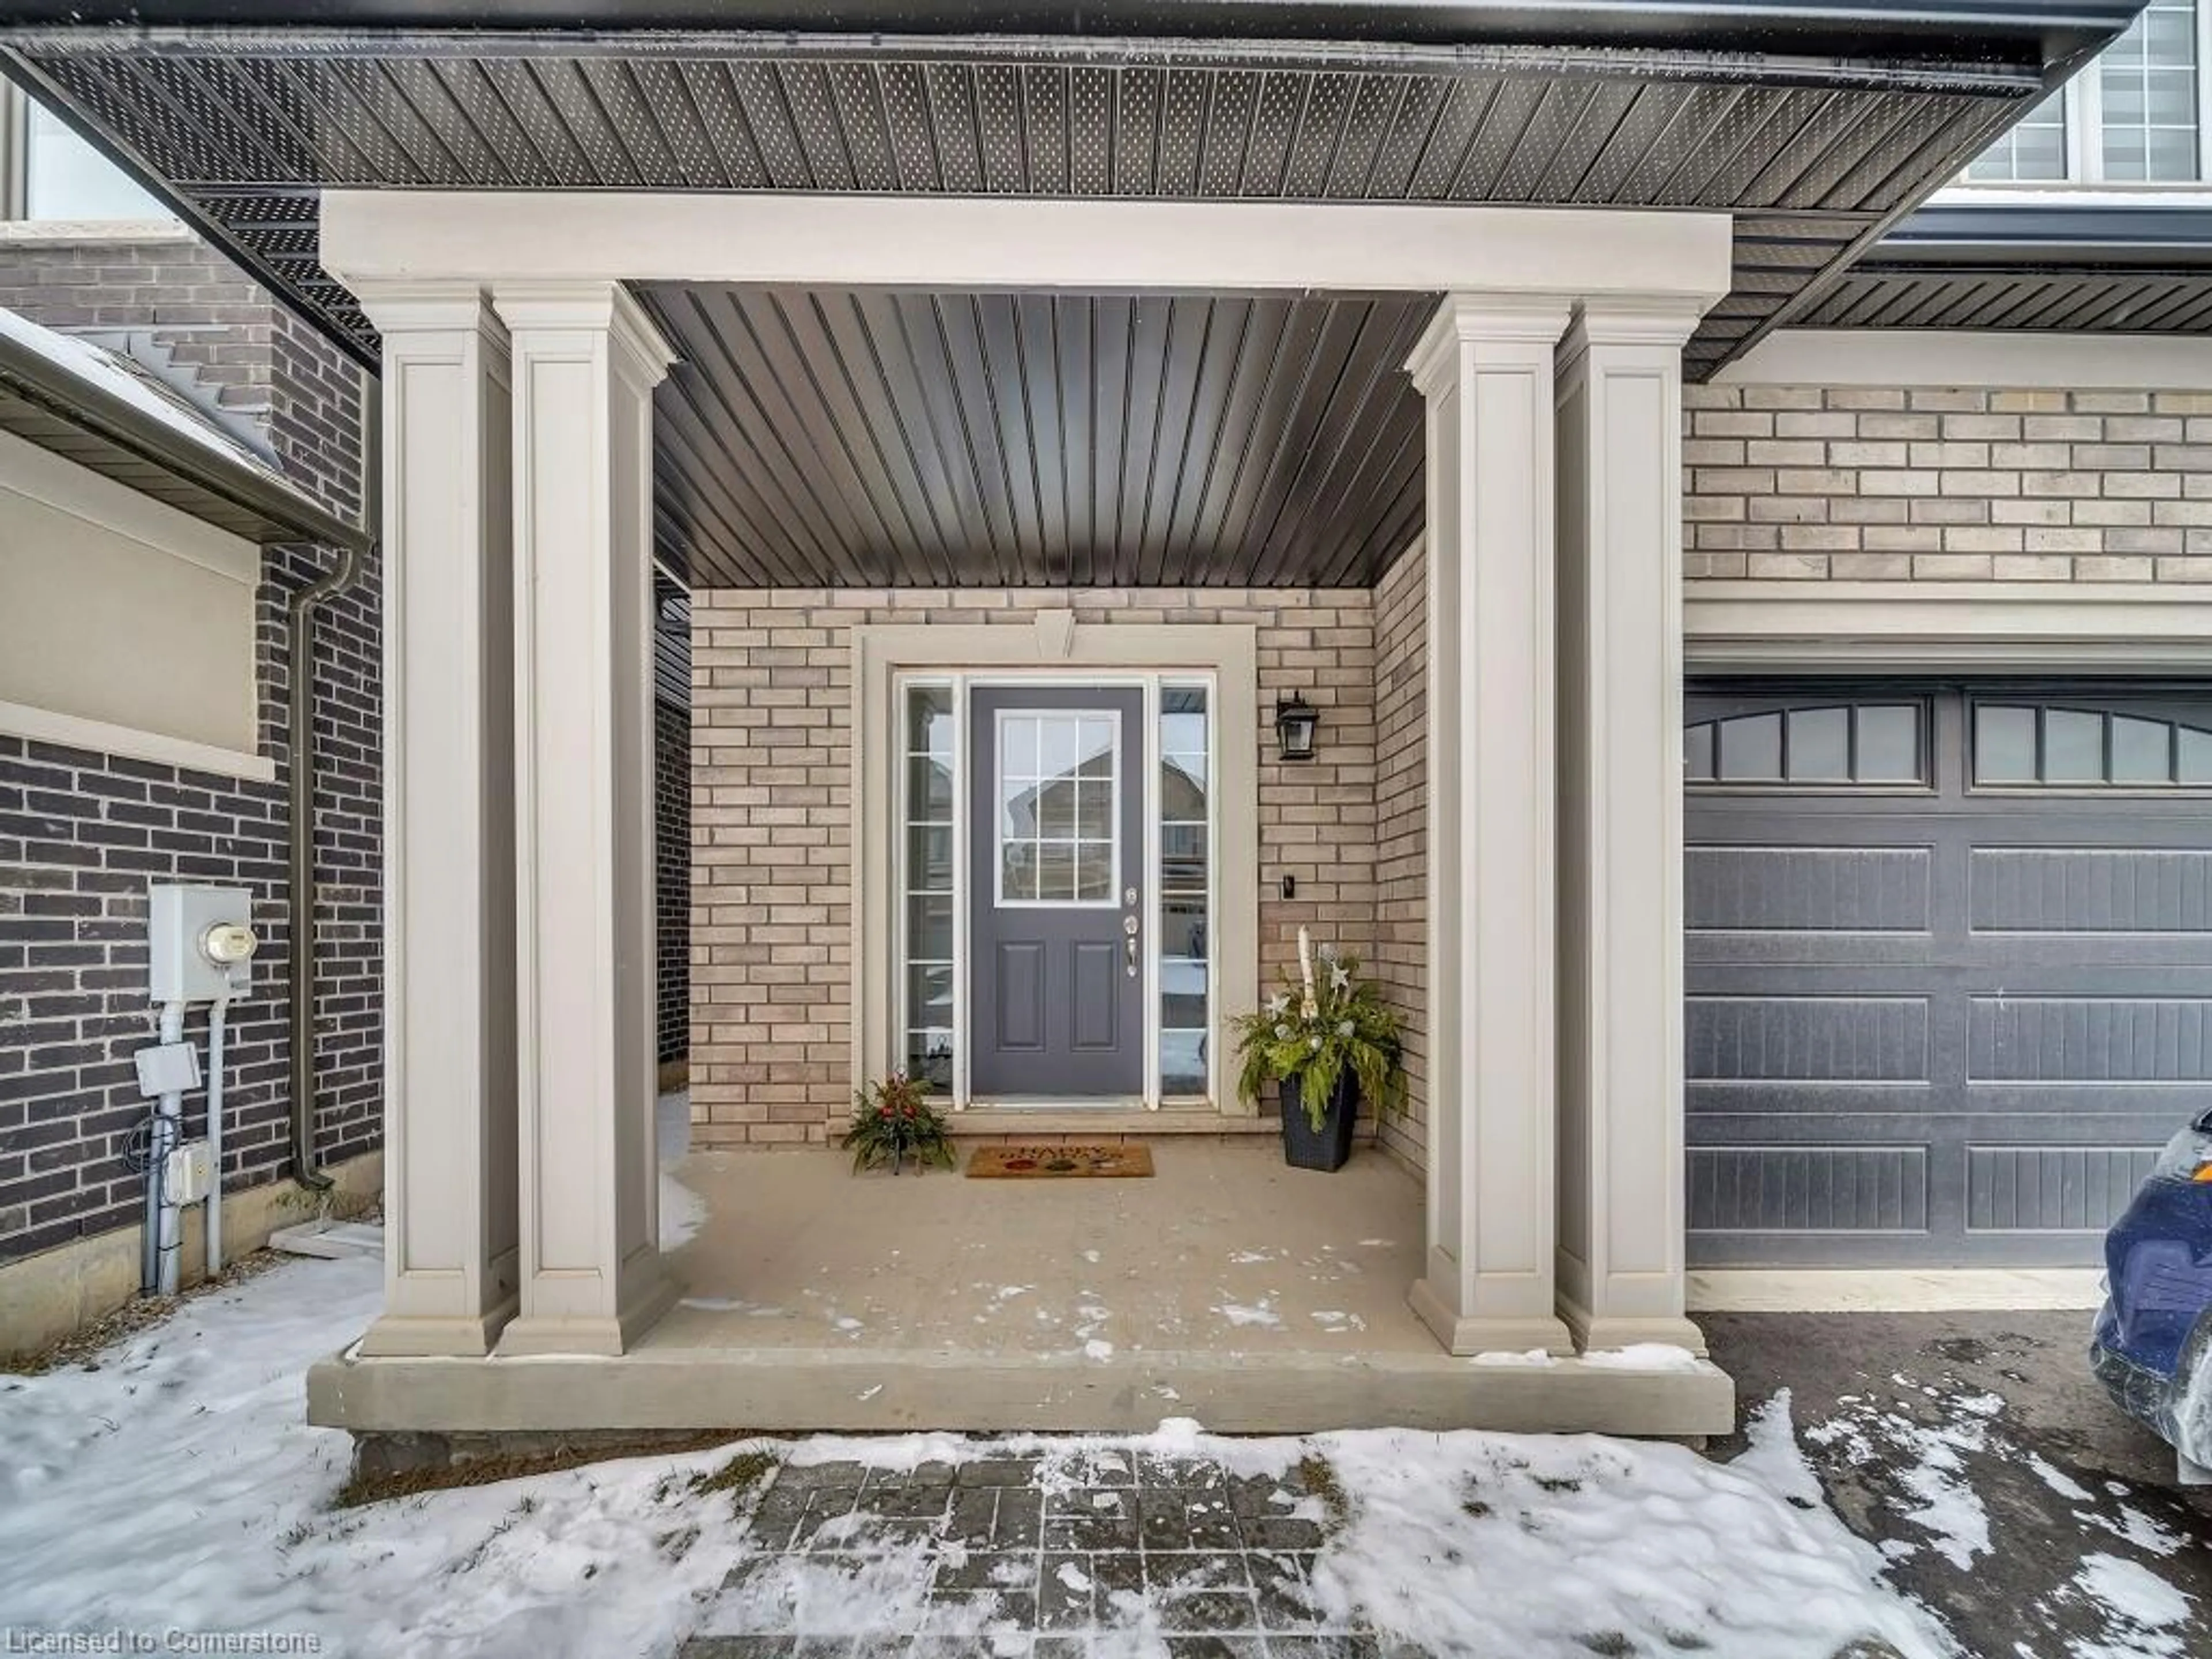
x=1837 y=29
x=1815 y=124
x=86 y=420
x=2048 y=264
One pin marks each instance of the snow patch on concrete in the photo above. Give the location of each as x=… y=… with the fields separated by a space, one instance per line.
x=1643 y=1357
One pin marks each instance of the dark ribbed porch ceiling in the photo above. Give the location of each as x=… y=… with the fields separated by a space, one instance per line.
x=874 y=438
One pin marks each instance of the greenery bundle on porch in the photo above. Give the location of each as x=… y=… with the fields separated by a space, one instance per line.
x=892 y=1121
x=1323 y=1027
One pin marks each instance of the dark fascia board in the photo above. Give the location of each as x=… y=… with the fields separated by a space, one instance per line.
x=2036 y=236
x=2059 y=35
x=280 y=512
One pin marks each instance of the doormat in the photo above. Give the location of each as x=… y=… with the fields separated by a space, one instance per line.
x=1059 y=1163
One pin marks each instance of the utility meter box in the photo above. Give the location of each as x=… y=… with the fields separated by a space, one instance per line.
x=203 y=942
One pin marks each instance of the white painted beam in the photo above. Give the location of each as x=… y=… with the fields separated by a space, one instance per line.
x=963 y=242
x=2122 y=627
x=1973 y=357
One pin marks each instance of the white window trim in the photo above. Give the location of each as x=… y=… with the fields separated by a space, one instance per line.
x=15 y=151
x=16 y=223
x=2083 y=109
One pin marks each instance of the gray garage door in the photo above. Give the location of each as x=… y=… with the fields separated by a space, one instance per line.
x=1949 y=965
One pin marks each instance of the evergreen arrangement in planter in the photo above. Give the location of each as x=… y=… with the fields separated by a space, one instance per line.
x=1327 y=1040
x=892 y=1121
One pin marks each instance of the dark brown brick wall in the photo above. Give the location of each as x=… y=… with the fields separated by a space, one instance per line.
x=82 y=834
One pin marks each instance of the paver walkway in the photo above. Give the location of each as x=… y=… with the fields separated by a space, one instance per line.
x=1212 y=1565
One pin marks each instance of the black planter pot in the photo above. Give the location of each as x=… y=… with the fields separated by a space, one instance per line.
x=1305 y=1147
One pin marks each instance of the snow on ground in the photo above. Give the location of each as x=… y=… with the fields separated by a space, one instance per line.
x=1973 y=1517
x=175 y=1486
x=2144 y=1606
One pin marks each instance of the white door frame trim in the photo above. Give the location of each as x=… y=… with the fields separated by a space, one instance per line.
x=1057 y=646
x=965 y=242
x=1790 y=627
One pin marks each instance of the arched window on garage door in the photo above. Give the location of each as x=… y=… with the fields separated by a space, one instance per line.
x=2023 y=744
x=1883 y=740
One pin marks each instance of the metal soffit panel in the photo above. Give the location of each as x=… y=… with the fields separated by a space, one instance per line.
x=246 y=125
x=2139 y=269
x=870 y=438
x=2126 y=300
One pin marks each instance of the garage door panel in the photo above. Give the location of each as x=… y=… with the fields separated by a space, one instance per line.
x=1807 y=1039
x=1808 y=1188
x=2051 y=1189
x=2063 y=890
x=2089 y=1040
x=1940 y=1025
x=1819 y=890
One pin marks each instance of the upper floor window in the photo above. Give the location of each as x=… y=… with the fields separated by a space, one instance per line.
x=2133 y=117
x=48 y=172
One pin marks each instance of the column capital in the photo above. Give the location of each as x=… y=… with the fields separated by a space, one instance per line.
x=1660 y=319
x=429 y=307
x=590 y=306
x=1506 y=319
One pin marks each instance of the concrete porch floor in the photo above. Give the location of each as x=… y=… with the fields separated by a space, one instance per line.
x=1227 y=1287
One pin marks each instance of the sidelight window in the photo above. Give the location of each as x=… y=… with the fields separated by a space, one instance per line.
x=928 y=725
x=1186 y=844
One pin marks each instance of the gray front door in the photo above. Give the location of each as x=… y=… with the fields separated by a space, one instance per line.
x=1055 y=882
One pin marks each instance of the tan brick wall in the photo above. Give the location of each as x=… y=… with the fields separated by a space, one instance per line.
x=772 y=832
x=1955 y=484
x=1401 y=799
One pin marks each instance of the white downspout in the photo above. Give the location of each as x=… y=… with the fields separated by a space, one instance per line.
x=168 y=1135
x=216 y=1019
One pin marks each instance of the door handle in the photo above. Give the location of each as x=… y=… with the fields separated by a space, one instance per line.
x=1129 y=943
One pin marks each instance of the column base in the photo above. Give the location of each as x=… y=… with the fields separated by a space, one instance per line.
x=1472 y=1334
x=417 y=1336
x=1626 y=1331
x=607 y=1335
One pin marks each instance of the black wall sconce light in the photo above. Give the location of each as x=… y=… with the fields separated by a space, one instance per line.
x=1297 y=720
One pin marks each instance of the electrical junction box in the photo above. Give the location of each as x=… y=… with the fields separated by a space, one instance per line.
x=168 y=1068
x=203 y=942
x=190 y=1172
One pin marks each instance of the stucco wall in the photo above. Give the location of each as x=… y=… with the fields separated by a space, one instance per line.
x=772 y=849
x=1947 y=484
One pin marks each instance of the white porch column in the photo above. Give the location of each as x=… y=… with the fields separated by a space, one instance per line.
x=1485 y=367
x=449 y=1195
x=1620 y=1260
x=585 y=362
